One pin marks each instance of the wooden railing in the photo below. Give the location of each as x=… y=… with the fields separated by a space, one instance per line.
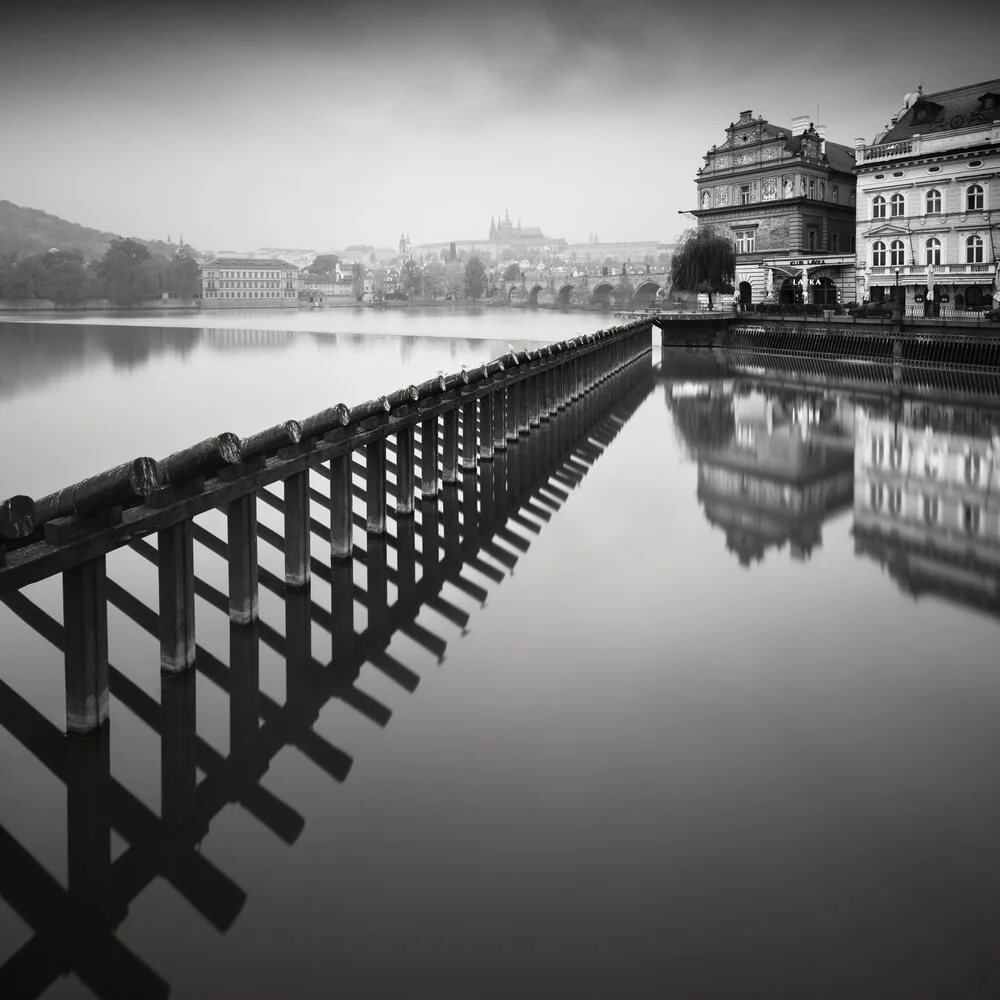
x=72 y=531
x=466 y=535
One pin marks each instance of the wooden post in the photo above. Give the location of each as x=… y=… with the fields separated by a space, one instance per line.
x=428 y=458
x=510 y=406
x=242 y=516
x=404 y=471
x=523 y=420
x=175 y=547
x=535 y=399
x=85 y=613
x=375 y=496
x=297 y=530
x=499 y=420
x=487 y=404
x=469 y=436
x=341 y=506
x=449 y=465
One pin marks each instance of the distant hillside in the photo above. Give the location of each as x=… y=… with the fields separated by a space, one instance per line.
x=29 y=231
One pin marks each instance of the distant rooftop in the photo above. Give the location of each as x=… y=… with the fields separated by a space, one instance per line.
x=260 y=263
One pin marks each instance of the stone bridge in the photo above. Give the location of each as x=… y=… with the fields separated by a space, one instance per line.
x=586 y=291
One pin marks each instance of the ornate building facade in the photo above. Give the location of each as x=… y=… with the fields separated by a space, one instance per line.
x=928 y=225
x=785 y=196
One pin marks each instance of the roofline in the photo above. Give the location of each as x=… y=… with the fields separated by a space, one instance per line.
x=952 y=90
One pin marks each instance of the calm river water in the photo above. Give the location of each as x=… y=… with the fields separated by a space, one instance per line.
x=712 y=714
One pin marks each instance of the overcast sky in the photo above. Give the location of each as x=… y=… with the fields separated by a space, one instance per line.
x=317 y=124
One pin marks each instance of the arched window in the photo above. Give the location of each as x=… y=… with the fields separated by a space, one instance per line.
x=934 y=202
x=974 y=250
x=933 y=250
x=974 y=198
x=897 y=204
x=896 y=253
x=878 y=254
x=878 y=207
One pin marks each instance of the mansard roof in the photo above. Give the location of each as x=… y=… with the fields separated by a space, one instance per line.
x=947 y=109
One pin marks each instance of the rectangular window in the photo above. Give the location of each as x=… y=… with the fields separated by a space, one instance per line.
x=745 y=194
x=812 y=187
x=745 y=241
x=812 y=239
x=835 y=193
x=835 y=246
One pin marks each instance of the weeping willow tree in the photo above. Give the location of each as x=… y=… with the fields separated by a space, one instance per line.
x=704 y=262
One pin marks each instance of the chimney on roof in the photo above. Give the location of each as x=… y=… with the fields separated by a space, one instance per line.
x=799 y=124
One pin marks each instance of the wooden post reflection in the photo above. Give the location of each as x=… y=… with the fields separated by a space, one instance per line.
x=244 y=696
x=88 y=816
x=178 y=741
x=342 y=605
x=299 y=676
x=406 y=559
x=378 y=583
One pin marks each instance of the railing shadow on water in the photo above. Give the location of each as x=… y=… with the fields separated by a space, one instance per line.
x=468 y=526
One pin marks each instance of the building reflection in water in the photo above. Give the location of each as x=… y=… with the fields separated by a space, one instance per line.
x=774 y=462
x=777 y=456
x=926 y=498
x=74 y=929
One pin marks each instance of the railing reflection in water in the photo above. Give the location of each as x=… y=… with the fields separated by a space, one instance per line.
x=468 y=525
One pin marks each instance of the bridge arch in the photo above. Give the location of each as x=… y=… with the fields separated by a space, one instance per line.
x=646 y=294
x=602 y=294
x=533 y=294
x=563 y=296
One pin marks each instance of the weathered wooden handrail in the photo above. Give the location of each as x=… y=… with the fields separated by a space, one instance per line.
x=126 y=483
x=203 y=459
x=272 y=440
x=18 y=517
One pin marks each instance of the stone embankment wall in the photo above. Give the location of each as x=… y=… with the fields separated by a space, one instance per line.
x=95 y=305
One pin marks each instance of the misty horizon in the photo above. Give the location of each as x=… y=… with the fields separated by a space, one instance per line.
x=332 y=124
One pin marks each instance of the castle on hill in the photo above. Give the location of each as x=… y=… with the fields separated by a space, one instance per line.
x=505 y=232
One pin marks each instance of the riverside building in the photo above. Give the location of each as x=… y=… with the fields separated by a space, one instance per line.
x=928 y=225
x=785 y=196
x=240 y=282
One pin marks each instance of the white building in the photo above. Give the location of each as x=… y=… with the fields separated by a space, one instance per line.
x=928 y=202
x=242 y=282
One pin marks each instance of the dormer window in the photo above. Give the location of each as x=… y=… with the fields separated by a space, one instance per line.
x=924 y=111
x=989 y=102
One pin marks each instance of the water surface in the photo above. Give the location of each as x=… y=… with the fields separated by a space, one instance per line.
x=706 y=711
